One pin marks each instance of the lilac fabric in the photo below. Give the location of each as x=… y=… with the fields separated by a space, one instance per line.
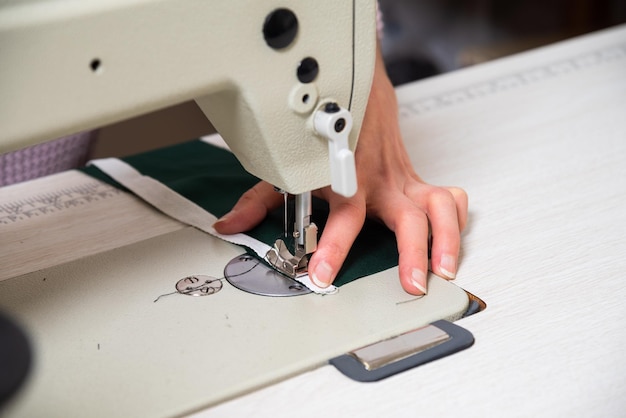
x=47 y=158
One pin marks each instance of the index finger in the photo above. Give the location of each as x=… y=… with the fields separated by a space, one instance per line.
x=345 y=220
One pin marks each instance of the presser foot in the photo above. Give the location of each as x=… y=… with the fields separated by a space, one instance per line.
x=305 y=237
x=281 y=259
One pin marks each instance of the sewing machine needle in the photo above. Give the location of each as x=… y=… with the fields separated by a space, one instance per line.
x=285 y=221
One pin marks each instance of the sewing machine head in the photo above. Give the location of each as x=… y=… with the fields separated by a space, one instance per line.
x=259 y=70
x=286 y=85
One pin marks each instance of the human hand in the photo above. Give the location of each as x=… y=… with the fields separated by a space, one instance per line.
x=389 y=190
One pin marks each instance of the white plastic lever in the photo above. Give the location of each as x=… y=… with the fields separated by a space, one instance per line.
x=335 y=123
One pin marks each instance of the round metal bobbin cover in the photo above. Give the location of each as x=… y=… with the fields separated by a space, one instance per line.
x=251 y=275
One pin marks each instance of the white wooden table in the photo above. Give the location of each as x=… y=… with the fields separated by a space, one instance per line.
x=538 y=140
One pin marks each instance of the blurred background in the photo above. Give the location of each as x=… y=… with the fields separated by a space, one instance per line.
x=427 y=37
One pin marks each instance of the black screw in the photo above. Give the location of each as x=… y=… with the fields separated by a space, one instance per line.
x=340 y=124
x=95 y=65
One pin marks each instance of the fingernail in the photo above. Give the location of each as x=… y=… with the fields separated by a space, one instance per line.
x=447 y=266
x=417 y=278
x=323 y=275
x=225 y=217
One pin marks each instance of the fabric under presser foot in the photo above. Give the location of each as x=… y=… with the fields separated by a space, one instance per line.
x=212 y=179
x=184 y=210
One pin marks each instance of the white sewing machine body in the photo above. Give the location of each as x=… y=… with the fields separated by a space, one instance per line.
x=257 y=74
x=80 y=65
x=265 y=74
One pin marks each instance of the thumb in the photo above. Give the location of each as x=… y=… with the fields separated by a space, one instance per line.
x=251 y=208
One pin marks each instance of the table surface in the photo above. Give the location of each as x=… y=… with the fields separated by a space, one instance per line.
x=538 y=142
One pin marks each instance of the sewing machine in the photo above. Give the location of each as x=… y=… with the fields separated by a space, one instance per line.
x=537 y=139
x=286 y=88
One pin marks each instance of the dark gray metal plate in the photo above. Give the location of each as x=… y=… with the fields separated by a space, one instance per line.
x=251 y=275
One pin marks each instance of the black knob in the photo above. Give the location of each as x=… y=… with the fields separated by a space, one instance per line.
x=280 y=28
x=307 y=70
x=331 y=107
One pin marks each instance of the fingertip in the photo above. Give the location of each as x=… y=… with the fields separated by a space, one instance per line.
x=224 y=224
x=250 y=209
x=416 y=283
x=344 y=222
x=219 y=227
x=447 y=266
x=322 y=274
x=420 y=289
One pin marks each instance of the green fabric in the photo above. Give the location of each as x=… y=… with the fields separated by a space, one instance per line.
x=213 y=178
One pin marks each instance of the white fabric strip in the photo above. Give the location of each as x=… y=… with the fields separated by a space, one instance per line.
x=182 y=209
